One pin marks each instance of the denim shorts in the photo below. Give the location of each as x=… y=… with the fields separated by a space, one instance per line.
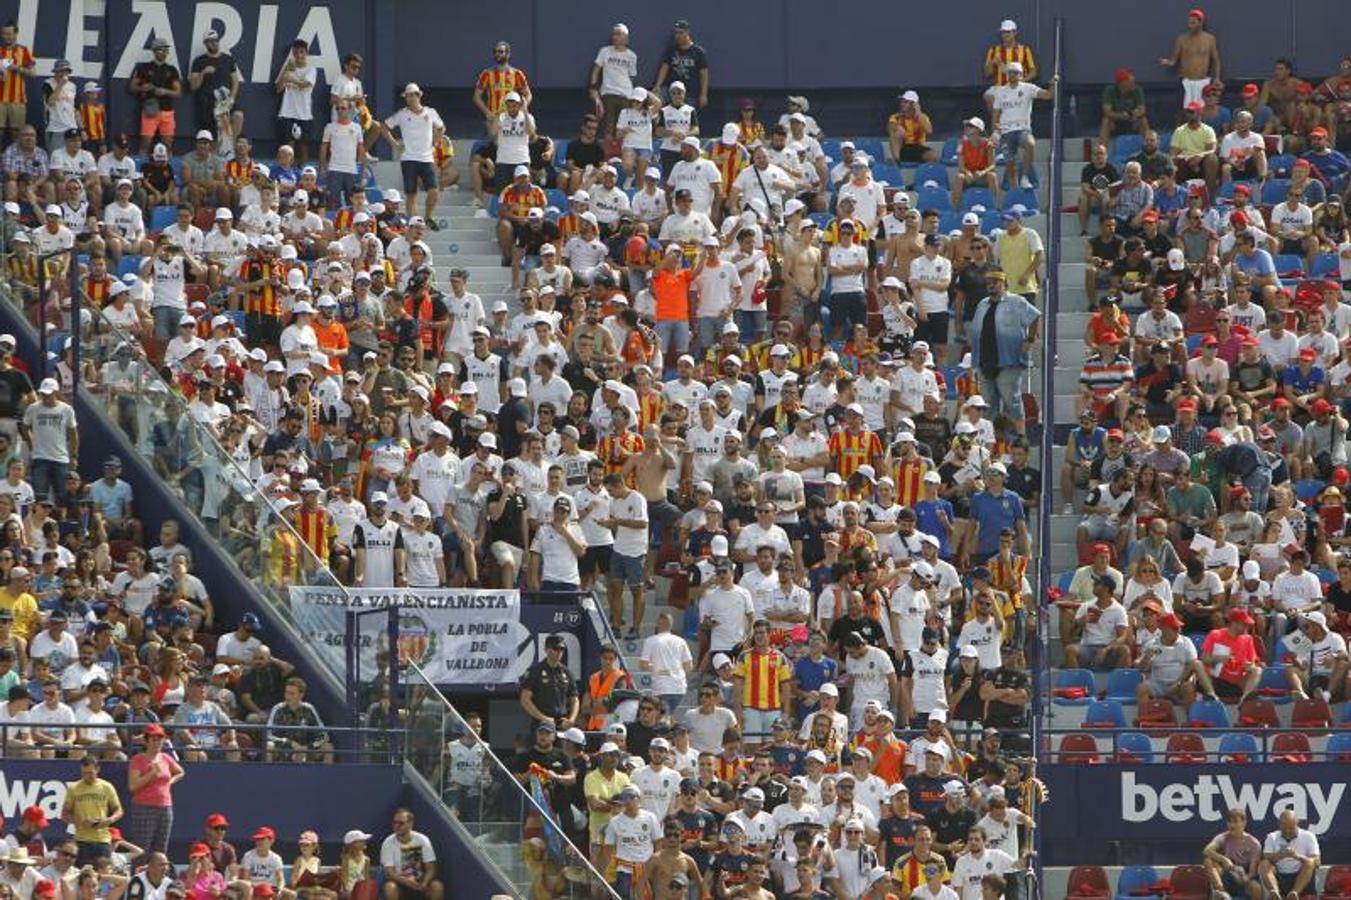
x=626 y=569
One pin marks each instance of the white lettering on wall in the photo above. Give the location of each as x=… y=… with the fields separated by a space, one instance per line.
x=1209 y=797
x=263 y=36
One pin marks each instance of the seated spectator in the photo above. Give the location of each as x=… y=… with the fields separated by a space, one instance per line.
x=1230 y=669
x=1100 y=630
x=1123 y=107
x=1290 y=858
x=1233 y=858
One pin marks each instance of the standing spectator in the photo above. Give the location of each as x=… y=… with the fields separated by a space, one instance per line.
x=667 y=656
x=16 y=64
x=295 y=83
x=1002 y=333
x=1008 y=50
x=495 y=83
x=420 y=131
x=409 y=861
x=92 y=807
x=1195 y=56
x=151 y=775
x=156 y=84
x=548 y=690
x=612 y=76
x=685 y=63
x=214 y=79
x=1011 y=109
x=1020 y=253
x=630 y=841
x=49 y=428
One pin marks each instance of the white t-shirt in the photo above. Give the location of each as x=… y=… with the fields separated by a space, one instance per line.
x=852 y=255
x=421 y=551
x=706 y=729
x=559 y=563
x=418 y=131
x=618 y=69
x=261 y=869
x=633 y=837
x=699 y=177
x=1287 y=222
x=1014 y=104
x=1303 y=843
x=667 y=654
x=869 y=674
x=937 y=269
x=715 y=285
x=969 y=870
x=513 y=139
x=639 y=125
x=659 y=788
x=1101 y=629
x=410 y=858
x=630 y=541
x=1235 y=148
x=296 y=101
x=730 y=607
x=869 y=201
x=343 y=141
x=706 y=446
x=1291 y=591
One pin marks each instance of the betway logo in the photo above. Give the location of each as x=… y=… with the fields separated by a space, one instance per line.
x=17 y=794
x=1209 y=797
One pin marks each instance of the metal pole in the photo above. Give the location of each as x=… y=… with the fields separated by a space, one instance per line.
x=395 y=701
x=42 y=318
x=75 y=326
x=350 y=656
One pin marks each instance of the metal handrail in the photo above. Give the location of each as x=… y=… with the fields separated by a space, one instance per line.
x=578 y=855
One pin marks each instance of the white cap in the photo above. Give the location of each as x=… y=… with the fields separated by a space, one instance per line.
x=932 y=477
x=969 y=651
x=1176 y=261
x=911 y=96
x=829 y=689
x=720 y=660
x=730 y=133
x=638 y=93
x=49 y=386
x=355 y=835
x=520 y=170
x=620 y=28
x=1008 y=25
x=411 y=88
x=718 y=546
x=608 y=747
x=310 y=485
x=970 y=218
x=379 y=497
x=204 y=135
x=223 y=214
x=794 y=205
x=977 y=401
x=1251 y=570
x=512 y=97
x=1014 y=67
x=517 y=387
x=488 y=439
x=976 y=122
x=275 y=365
x=303 y=308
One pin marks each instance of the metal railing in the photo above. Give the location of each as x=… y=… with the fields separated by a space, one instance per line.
x=506 y=812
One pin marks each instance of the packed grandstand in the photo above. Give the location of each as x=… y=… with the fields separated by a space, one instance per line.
x=907 y=475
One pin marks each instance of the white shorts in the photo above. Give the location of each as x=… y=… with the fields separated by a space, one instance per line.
x=507 y=553
x=1192 y=88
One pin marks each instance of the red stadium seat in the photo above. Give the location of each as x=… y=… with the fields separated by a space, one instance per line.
x=1185 y=748
x=1337 y=884
x=1291 y=747
x=1079 y=749
x=1189 y=883
x=1311 y=714
x=1156 y=713
x=1258 y=713
x=1088 y=883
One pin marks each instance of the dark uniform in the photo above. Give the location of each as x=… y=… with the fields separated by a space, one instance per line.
x=552 y=689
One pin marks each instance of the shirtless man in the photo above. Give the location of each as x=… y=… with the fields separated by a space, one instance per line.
x=668 y=862
x=602 y=341
x=660 y=455
x=753 y=887
x=806 y=276
x=1196 y=57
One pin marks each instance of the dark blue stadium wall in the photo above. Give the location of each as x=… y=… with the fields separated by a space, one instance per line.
x=759 y=45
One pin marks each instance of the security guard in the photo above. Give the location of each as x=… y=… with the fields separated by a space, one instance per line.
x=548 y=690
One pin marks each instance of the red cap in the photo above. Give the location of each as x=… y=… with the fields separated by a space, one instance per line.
x=1238 y=219
x=1320 y=131
x=198 y=850
x=1340 y=476
x=1237 y=491
x=1304 y=89
x=1193 y=107
x=1302 y=164
x=44 y=888
x=1331 y=286
x=263 y=890
x=154 y=729
x=1243 y=189
x=1251 y=90
x=1196 y=14
x=1280 y=403
x=1116 y=433
x=1100 y=547
x=1122 y=74
x=1170 y=621
x=1321 y=407
x=1149 y=215
x=1308 y=353
x=1210 y=341
x=1187 y=404
x=35 y=815
x=1196 y=190
x=1240 y=615
x=1213 y=436
x=264 y=833
x=1250 y=341
x=217 y=820
x=1210 y=90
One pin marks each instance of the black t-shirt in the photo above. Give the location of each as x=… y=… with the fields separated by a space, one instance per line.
x=1007 y=715
x=1252 y=375
x=970 y=707
x=551 y=688
x=1024 y=481
x=204 y=99
x=1157 y=246
x=685 y=65
x=584 y=153
x=1105 y=248
x=161 y=76
x=574 y=373
x=949 y=826
x=732 y=867
x=529 y=240
x=1134 y=275
x=868 y=627
x=1153 y=165
x=1090 y=171
x=553 y=760
x=898 y=836
x=14 y=386
x=971 y=282
x=1339 y=597
x=508 y=527
x=696 y=826
x=513 y=411
x=813 y=537
x=926 y=794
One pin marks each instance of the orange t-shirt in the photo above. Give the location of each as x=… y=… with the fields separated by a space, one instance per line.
x=671 y=288
x=331 y=337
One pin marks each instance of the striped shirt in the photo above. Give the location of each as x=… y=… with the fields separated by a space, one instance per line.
x=1000 y=56
x=1103 y=377
x=97 y=290
x=497 y=82
x=729 y=160
x=94 y=122
x=909 y=477
x=316 y=529
x=650 y=407
x=517 y=204
x=12 y=87
x=909 y=871
x=763 y=673
x=853 y=450
x=265 y=300
x=615 y=449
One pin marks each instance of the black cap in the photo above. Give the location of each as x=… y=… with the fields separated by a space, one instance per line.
x=19 y=692
x=1105 y=581
x=57 y=615
x=72 y=133
x=683 y=194
x=933 y=240
x=980 y=572
x=689 y=785
x=682 y=24
x=556 y=642
x=930 y=634
x=854 y=639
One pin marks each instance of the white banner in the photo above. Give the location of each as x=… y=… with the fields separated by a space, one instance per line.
x=455 y=636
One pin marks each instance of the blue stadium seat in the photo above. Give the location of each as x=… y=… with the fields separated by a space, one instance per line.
x=1121 y=685
x=161 y=217
x=989 y=221
x=831 y=148
x=1208 y=714
x=1226 y=191
x=176 y=166
x=1124 y=146
x=931 y=172
x=822 y=219
x=1274 y=685
x=948 y=155
x=1274 y=190
x=977 y=196
x=375 y=195
x=1193 y=343
x=493 y=203
x=949 y=221
x=1309 y=488
x=557 y=198
x=875 y=148
x=1339 y=747
x=1289 y=265
x=1239 y=747
x=1134 y=880
x=129 y=265
x=888 y=173
x=560 y=153
x=1025 y=196
x=1325 y=264
x=1279 y=166
x=933 y=198
x=1105 y=714
x=1134 y=747
x=1064 y=580
x=1075 y=678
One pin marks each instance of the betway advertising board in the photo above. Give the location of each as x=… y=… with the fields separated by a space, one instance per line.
x=1185 y=805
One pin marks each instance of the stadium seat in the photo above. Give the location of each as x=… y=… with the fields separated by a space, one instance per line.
x=161 y=217
x=1239 y=747
x=875 y=148
x=1339 y=747
x=934 y=198
x=1337 y=883
x=375 y=195
x=1137 y=881
x=1105 y=714
x=1134 y=747
x=831 y=148
x=1193 y=343
x=1207 y=714
x=1079 y=748
x=931 y=172
x=1121 y=685
x=129 y=265
x=555 y=197
x=950 y=221
x=890 y=174
x=1289 y=265
x=1309 y=488
x=1274 y=190
x=1124 y=146
x=1185 y=748
x=1311 y=714
x=1226 y=191
x=196 y=292
x=1188 y=883
x=948 y=155
x=1064 y=580
x=1291 y=747
x=977 y=196
x=1279 y=166
x=1088 y=883
x=1025 y=197
x=205 y=218
x=1325 y=264
x=176 y=167
x=1258 y=712
x=989 y=221
x=1156 y=713
x=1073 y=687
